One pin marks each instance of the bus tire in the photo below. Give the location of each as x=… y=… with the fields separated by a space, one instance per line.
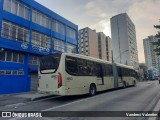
x=124 y=85
x=92 y=90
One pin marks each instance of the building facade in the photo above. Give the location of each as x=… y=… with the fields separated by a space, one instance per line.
x=109 y=49
x=152 y=60
x=143 y=70
x=88 y=42
x=104 y=47
x=124 y=41
x=29 y=30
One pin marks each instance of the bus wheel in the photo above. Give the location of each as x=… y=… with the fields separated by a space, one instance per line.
x=124 y=85
x=92 y=90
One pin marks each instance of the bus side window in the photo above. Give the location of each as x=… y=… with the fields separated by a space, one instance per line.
x=90 y=66
x=71 y=65
x=82 y=69
x=108 y=70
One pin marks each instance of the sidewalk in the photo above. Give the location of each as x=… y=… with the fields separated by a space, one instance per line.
x=10 y=99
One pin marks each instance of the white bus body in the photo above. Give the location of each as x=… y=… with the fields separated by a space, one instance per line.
x=73 y=74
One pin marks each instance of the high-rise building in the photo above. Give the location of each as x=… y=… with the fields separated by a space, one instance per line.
x=124 y=40
x=88 y=42
x=152 y=60
x=109 y=48
x=29 y=30
x=94 y=44
x=104 y=47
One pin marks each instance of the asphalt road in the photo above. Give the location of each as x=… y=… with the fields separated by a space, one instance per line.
x=143 y=97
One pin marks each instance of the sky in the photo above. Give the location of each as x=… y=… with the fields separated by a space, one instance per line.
x=96 y=14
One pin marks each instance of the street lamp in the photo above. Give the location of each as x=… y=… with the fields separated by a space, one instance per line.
x=119 y=56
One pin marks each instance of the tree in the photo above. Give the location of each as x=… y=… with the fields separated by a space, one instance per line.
x=157 y=43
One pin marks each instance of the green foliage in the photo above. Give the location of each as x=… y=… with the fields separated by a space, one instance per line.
x=157 y=44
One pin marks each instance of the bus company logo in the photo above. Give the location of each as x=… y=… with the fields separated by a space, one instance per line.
x=6 y=114
x=40 y=49
x=24 y=46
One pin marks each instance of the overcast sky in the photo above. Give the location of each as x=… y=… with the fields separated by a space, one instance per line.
x=96 y=14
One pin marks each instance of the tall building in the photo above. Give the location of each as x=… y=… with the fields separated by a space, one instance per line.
x=151 y=59
x=124 y=40
x=143 y=72
x=104 y=47
x=109 y=48
x=29 y=30
x=88 y=42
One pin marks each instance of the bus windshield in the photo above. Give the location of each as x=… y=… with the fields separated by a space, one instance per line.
x=50 y=63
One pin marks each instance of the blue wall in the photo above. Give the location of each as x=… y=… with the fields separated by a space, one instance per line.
x=21 y=83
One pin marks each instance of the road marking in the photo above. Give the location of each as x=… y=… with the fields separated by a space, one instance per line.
x=71 y=103
x=17 y=104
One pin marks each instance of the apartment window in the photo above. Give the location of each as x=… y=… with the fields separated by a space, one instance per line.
x=58 y=27
x=10 y=56
x=40 y=39
x=33 y=60
x=2 y=55
x=14 y=32
x=17 y=8
x=59 y=45
x=71 y=33
x=40 y=19
x=86 y=34
x=71 y=48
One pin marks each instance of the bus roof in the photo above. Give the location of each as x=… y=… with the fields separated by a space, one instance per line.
x=125 y=66
x=87 y=57
x=96 y=59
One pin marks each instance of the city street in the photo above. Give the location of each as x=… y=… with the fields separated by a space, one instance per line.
x=143 y=97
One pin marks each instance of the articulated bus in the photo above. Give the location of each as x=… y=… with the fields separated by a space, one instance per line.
x=73 y=74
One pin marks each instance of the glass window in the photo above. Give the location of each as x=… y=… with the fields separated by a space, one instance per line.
x=2 y=72
x=14 y=72
x=20 y=72
x=40 y=19
x=20 y=34
x=17 y=8
x=58 y=27
x=15 y=32
x=71 y=33
x=9 y=56
x=71 y=48
x=34 y=60
x=71 y=65
x=21 y=58
x=21 y=10
x=98 y=69
x=2 y=55
x=7 y=5
x=8 y=72
x=26 y=13
x=15 y=57
x=40 y=39
x=59 y=45
x=108 y=70
x=5 y=30
x=14 y=7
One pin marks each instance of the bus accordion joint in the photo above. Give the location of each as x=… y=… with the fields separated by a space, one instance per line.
x=59 y=79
